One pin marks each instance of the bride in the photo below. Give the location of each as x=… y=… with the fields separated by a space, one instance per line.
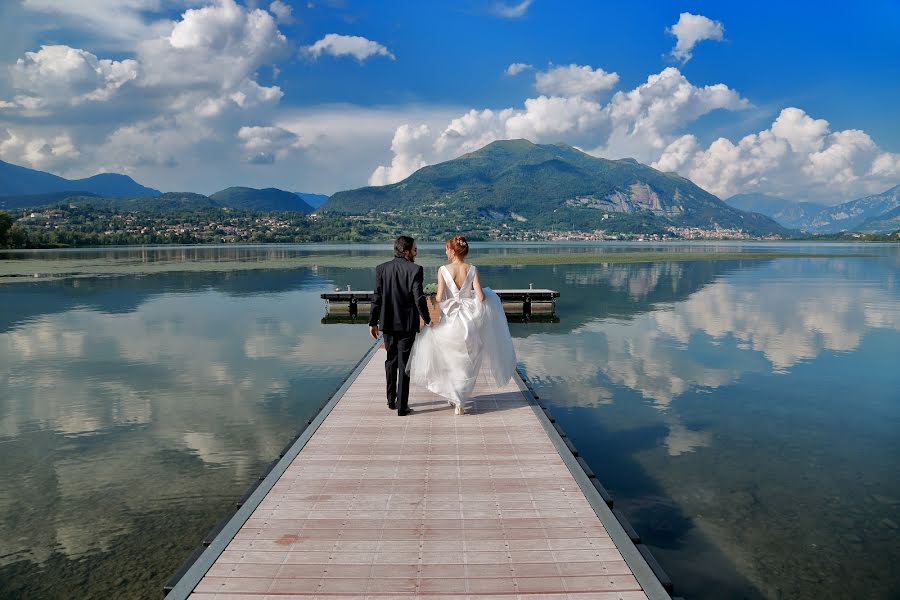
x=471 y=338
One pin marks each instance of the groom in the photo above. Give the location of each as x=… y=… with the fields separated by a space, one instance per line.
x=398 y=301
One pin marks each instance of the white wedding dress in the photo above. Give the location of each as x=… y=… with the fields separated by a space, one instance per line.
x=472 y=338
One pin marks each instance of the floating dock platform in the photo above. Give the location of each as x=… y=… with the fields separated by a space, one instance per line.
x=539 y=304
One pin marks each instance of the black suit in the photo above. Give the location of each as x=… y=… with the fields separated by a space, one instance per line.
x=398 y=301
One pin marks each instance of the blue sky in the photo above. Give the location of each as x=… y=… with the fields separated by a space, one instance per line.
x=791 y=99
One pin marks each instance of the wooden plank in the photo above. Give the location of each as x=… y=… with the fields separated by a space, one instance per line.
x=430 y=505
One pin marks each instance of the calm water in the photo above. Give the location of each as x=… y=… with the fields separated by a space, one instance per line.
x=745 y=414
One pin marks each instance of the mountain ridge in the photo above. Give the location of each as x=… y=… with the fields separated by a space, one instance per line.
x=265 y=199
x=790 y=213
x=812 y=217
x=884 y=223
x=848 y=216
x=16 y=180
x=552 y=186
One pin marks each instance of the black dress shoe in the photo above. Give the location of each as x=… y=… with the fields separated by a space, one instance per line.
x=392 y=406
x=408 y=411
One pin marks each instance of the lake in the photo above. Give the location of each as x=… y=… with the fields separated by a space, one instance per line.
x=741 y=402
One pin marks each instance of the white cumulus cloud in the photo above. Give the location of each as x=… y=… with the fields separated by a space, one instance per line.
x=59 y=75
x=266 y=144
x=644 y=119
x=409 y=147
x=798 y=157
x=219 y=46
x=692 y=29
x=516 y=68
x=575 y=80
x=640 y=123
x=356 y=46
x=42 y=152
x=282 y=11
x=187 y=85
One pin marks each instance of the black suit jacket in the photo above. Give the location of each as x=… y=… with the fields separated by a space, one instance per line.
x=399 y=298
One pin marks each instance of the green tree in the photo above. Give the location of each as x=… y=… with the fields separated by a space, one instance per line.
x=5 y=225
x=18 y=238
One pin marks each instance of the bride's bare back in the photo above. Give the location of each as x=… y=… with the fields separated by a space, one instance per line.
x=459 y=271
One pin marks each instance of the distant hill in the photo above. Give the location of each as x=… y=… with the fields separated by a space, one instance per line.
x=21 y=181
x=790 y=213
x=886 y=223
x=254 y=200
x=314 y=200
x=267 y=199
x=849 y=216
x=552 y=186
x=168 y=202
x=39 y=200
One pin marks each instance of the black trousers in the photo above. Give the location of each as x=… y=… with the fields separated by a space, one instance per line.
x=398 y=345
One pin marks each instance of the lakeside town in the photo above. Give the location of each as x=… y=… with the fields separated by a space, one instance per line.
x=671 y=234
x=80 y=226
x=62 y=226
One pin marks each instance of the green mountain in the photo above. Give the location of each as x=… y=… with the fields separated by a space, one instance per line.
x=21 y=181
x=790 y=213
x=551 y=186
x=267 y=199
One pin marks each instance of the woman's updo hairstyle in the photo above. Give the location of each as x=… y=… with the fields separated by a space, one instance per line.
x=458 y=246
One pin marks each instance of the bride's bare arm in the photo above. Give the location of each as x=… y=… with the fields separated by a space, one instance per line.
x=476 y=283
x=440 y=291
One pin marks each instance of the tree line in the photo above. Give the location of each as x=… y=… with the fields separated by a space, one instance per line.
x=70 y=225
x=83 y=225
x=10 y=235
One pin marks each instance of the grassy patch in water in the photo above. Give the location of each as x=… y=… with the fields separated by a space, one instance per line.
x=39 y=268
x=572 y=258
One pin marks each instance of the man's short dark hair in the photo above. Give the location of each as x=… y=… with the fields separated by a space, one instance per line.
x=403 y=246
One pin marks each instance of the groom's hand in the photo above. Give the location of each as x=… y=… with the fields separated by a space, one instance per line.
x=373 y=330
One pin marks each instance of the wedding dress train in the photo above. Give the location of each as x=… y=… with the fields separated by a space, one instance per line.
x=471 y=338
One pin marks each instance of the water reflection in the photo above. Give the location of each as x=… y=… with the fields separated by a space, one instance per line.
x=134 y=396
x=783 y=312
x=750 y=414
x=742 y=412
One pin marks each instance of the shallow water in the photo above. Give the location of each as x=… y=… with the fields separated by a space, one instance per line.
x=744 y=413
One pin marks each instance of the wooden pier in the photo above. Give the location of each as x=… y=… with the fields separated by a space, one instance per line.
x=369 y=505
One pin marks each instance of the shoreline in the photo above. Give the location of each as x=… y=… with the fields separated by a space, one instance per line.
x=41 y=269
